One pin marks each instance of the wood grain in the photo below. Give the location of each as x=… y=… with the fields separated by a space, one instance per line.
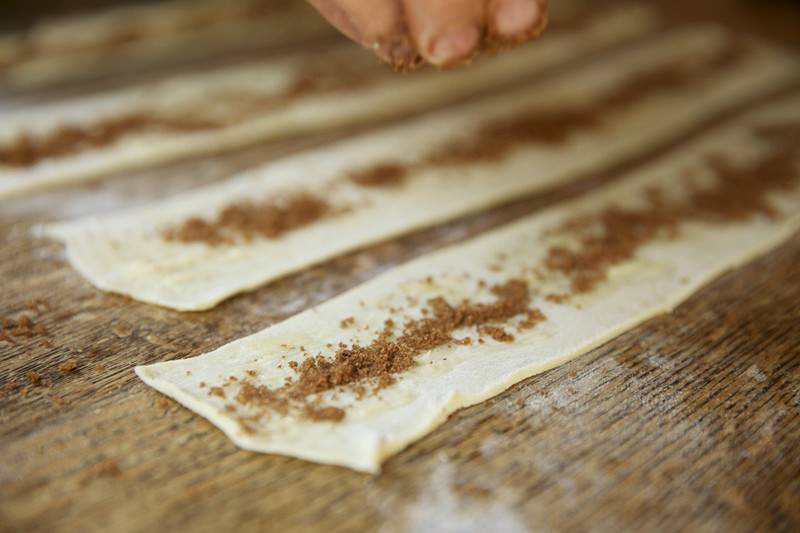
x=689 y=422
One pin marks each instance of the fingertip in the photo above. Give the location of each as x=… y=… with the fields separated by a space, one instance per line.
x=513 y=19
x=452 y=46
x=446 y=32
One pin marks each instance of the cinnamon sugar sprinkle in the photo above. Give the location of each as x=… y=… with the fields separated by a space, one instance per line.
x=380 y=175
x=25 y=326
x=26 y=150
x=105 y=468
x=248 y=220
x=127 y=35
x=603 y=239
x=497 y=138
x=70 y=139
x=389 y=354
x=68 y=366
x=491 y=141
x=614 y=234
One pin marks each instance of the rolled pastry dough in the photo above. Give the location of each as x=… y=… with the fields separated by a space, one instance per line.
x=658 y=277
x=124 y=38
x=218 y=96
x=126 y=253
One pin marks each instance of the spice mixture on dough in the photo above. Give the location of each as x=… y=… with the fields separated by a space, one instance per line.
x=70 y=139
x=599 y=240
x=389 y=353
x=491 y=141
x=248 y=220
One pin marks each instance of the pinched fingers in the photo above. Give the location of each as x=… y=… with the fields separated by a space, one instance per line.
x=450 y=32
x=445 y=33
x=379 y=25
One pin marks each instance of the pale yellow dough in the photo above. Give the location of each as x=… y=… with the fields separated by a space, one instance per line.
x=201 y=97
x=126 y=253
x=68 y=49
x=660 y=276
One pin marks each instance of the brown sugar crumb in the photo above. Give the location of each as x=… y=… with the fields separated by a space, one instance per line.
x=614 y=234
x=162 y=403
x=466 y=341
x=22 y=327
x=557 y=298
x=230 y=408
x=388 y=354
x=321 y=414
x=347 y=322
x=248 y=220
x=380 y=175
x=8 y=388
x=262 y=396
x=68 y=366
x=497 y=333
x=532 y=318
x=360 y=391
x=216 y=391
x=33 y=377
x=106 y=468
x=251 y=373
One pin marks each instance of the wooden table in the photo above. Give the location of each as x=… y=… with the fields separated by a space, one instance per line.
x=689 y=422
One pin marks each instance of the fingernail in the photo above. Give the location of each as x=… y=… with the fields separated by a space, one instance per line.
x=516 y=16
x=453 y=45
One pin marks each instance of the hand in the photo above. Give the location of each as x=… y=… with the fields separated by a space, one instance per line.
x=445 y=33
